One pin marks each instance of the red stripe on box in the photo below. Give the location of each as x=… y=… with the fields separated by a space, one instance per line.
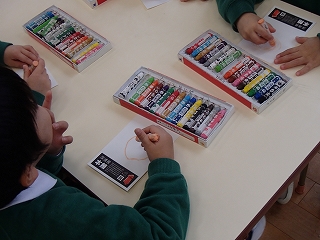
x=216 y=82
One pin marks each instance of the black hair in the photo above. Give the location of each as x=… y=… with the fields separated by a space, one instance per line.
x=20 y=145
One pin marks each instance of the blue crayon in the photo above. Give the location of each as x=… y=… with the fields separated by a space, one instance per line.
x=213 y=52
x=204 y=45
x=40 y=20
x=279 y=84
x=266 y=88
x=177 y=109
x=184 y=110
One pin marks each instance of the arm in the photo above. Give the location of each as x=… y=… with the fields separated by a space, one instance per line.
x=242 y=17
x=231 y=10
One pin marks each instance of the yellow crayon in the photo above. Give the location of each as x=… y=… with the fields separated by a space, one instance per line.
x=256 y=80
x=190 y=112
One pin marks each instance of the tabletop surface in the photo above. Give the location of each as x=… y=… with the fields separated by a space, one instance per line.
x=253 y=155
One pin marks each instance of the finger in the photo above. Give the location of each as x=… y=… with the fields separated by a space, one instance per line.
x=33 y=51
x=67 y=140
x=271 y=28
x=60 y=127
x=255 y=38
x=142 y=136
x=288 y=58
x=305 y=69
x=47 y=100
x=301 y=40
x=40 y=69
x=287 y=53
x=28 y=56
x=26 y=72
x=293 y=63
x=16 y=63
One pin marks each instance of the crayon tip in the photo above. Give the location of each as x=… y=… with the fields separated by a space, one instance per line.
x=189 y=51
x=35 y=63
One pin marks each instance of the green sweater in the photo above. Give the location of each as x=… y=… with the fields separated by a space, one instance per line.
x=63 y=212
x=231 y=10
x=3 y=46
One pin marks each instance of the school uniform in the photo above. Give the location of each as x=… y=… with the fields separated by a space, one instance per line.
x=49 y=209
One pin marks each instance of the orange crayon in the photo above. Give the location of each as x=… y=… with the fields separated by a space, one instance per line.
x=272 y=42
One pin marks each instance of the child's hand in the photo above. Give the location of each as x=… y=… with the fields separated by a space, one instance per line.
x=58 y=128
x=308 y=54
x=251 y=30
x=17 y=55
x=37 y=79
x=163 y=148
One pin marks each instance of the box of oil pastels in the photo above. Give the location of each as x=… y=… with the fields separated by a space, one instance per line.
x=74 y=43
x=240 y=74
x=192 y=114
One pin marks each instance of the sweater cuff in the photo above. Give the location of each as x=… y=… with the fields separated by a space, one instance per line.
x=163 y=165
x=242 y=7
x=38 y=97
x=3 y=46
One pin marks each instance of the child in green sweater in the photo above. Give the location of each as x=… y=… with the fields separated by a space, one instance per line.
x=35 y=204
x=240 y=14
x=243 y=19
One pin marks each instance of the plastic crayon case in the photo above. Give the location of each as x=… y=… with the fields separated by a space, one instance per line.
x=94 y=3
x=188 y=112
x=242 y=75
x=67 y=38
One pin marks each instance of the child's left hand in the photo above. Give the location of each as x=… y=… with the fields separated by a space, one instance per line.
x=17 y=55
x=308 y=54
x=58 y=128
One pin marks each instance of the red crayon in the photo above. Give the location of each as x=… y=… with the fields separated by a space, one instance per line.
x=199 y=43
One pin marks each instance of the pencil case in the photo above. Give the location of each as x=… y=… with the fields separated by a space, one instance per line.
x=71 y=41
x=240 y=74
x=186 y=111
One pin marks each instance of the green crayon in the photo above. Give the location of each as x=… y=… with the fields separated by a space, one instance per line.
x=144 y=86
x=261 y=84
x=155 y=107
x=227 y=61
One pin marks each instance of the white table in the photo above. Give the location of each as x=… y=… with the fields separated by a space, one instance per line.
x=234 y=181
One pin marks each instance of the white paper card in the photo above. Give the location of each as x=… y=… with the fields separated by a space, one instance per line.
x=54 y=83
x=287 y=26
x=153 y=3
x=123 y=161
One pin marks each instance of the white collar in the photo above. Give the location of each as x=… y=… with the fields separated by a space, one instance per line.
x=42 y=184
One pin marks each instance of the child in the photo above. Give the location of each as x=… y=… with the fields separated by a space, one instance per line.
x=34 y=204
x=240 y=14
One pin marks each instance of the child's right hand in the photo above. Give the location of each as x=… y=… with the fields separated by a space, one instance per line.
x=251 y=30
x=17 y=55
x=163 y=148
x=37 y=79
x=58 y=129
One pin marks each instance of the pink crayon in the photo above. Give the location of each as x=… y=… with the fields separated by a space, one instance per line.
x=214 y=122
x=88 y=54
